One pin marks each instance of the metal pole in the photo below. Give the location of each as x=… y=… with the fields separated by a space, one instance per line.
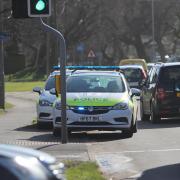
x=153 y=31
x=63 y=79
x=2 y=89
x=47 y=51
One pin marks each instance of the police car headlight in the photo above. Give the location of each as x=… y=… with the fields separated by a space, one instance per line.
x=58 y=105
x=44 y=103
x=120 y=106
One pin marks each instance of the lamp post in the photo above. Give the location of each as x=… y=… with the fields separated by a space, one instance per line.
x=153 y=30
x=2 y=90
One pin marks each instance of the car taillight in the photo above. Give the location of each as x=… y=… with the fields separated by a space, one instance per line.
x=160 y=93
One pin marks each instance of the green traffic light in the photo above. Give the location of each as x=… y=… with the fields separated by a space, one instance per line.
x=40 y=5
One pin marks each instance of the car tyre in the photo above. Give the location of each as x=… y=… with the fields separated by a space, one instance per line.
x=40 y=125
x=144 y=117
x=155 y=118
x=69 y=132
x=135 y=127
x=129 y=133
x=56 y=132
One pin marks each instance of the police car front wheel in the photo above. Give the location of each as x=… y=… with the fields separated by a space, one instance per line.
x=129 y=133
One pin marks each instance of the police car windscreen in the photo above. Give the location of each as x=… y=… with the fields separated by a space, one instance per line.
x=95 y=83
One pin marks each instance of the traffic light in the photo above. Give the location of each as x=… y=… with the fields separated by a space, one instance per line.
x=19 y=9
x=39 y=8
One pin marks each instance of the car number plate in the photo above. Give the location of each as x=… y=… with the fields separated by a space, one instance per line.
x=133 y=83
x=178 y=94
x=90 y=119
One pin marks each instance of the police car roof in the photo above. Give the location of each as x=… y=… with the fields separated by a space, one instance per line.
x=89 y=72
x=58 y=72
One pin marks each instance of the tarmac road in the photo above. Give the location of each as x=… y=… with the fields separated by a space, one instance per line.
x=152 y=154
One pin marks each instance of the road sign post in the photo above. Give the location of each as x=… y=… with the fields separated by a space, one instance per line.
x=2 y=89
x=63 y=79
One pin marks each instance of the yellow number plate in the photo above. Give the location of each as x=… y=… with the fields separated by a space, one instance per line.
x=178 y=94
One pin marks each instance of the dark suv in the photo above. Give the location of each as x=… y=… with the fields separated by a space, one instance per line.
x=161 y=92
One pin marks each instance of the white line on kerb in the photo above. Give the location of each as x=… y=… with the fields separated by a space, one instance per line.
x=153 y=150
x=142 y=151
x=68 y=156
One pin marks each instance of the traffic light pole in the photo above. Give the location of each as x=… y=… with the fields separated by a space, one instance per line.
x=63 y=79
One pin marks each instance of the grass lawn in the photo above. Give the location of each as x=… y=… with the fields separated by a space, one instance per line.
x=22 y=86
x=7 y=106
x=83 y=171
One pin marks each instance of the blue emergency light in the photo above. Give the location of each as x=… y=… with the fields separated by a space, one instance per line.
x=80 y=108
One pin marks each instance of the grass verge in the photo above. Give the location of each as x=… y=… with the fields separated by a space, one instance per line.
x=83 y=171
x=7 y=106
x=22 y=86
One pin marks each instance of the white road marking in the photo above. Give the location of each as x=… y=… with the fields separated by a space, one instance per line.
x=142 y=151
x=153 y=150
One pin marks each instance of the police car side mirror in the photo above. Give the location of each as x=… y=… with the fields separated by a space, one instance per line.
x=135 y=92
x=53 y=91
x=37 y=89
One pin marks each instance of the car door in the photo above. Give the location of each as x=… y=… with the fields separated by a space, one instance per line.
x=147 y=91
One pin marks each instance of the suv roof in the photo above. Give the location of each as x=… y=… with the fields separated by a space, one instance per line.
x=171 y=64
x=134 y=61
x=135 y=66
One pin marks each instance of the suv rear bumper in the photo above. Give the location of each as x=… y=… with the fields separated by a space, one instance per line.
x=165 y=112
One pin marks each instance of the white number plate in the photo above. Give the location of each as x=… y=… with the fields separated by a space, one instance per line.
x=90 y=119
x=133 y=83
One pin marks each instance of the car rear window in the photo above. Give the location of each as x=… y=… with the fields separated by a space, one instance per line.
x=95 y=83
x=133 y=75
x=171 y=75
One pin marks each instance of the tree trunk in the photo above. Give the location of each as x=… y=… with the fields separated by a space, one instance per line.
x=161 y=50
x=140 y=49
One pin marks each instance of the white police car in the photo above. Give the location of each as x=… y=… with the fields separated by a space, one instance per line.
x=98 y=100
x=46 y=99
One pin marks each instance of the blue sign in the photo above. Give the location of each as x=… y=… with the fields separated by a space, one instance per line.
x=80 y=47
x=4 y=36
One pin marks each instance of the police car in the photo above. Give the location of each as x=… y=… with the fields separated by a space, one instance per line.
x=98 y=100
x=46 y=99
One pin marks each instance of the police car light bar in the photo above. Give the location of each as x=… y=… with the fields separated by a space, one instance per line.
x=89 y=67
